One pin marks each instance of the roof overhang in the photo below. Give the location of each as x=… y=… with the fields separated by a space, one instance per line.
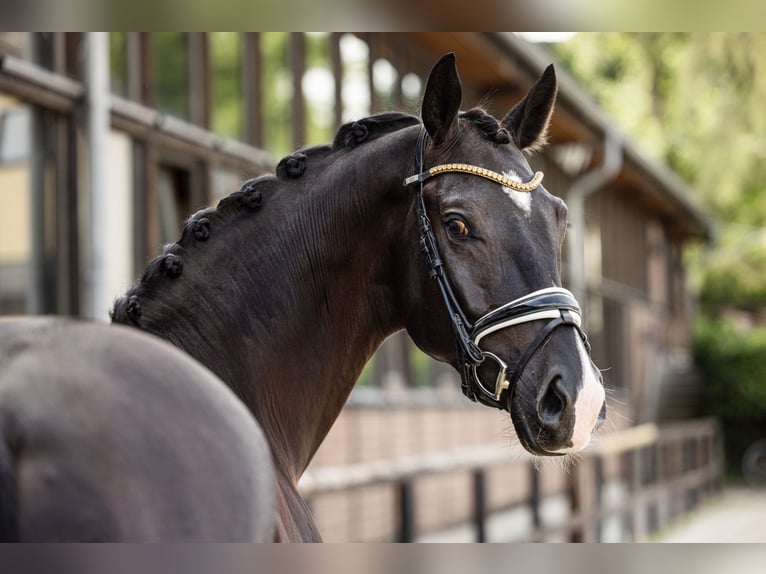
x=505 y=66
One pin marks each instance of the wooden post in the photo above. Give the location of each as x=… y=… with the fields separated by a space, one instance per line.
x=480 y=504
x=406 y=512
x=534 y=497
x=576 y=504
x=251 y=88
x=598 y=484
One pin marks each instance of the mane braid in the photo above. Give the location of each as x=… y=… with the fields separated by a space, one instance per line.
x=352 y=134
x=293 y=165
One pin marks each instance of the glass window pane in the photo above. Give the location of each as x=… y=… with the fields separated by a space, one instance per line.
x=16 y=203
x=171 y=73
x=14 y=135
x=277 y=92
x=226 y=62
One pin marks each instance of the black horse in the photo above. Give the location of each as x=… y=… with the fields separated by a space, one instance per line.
x=284 y=291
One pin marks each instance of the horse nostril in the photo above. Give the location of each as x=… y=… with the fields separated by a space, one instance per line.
x=553 y=403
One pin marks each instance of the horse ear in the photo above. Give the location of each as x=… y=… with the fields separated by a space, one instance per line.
x=442 y=99
x=529 y=119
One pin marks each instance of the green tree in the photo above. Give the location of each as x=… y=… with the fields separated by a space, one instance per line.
x=694 y=101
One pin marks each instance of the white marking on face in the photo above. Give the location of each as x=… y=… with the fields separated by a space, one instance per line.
x=523 y=199
x=588 y=405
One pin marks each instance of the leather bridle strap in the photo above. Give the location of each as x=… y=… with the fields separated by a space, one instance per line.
x=460 y=324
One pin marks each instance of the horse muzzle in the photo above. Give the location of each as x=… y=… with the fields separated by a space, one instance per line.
x=563 y=409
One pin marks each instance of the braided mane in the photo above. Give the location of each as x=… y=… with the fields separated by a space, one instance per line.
x=197 y=229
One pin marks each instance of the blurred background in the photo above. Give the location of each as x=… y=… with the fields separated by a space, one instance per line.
x=108 y=141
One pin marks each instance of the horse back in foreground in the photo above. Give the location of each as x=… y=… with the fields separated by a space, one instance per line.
x=109 y=434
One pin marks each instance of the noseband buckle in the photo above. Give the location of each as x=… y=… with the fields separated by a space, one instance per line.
x=501 y=381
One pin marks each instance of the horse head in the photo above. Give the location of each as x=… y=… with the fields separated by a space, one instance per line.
x=492 y=238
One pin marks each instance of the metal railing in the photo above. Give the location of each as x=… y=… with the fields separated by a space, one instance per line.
x=662 y=473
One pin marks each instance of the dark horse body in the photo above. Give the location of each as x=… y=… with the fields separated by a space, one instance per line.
x=286 y=289
x=110 y=434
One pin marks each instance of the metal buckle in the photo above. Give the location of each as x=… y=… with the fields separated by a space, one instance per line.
x=501 y=381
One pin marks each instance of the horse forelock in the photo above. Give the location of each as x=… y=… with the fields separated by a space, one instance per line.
x=487 y=125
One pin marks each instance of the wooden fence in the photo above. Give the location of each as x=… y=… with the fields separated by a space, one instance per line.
x=658 y=473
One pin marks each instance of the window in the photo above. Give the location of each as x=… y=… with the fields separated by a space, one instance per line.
x=16 y=201
x=14 y=134
x=36 y=254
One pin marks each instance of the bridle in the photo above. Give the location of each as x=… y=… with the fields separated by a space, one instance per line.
x=553 y=303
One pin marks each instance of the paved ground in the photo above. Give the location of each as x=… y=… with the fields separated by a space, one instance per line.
x=739 y=515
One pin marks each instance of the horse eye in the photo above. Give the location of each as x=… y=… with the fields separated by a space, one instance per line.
x=457 y=228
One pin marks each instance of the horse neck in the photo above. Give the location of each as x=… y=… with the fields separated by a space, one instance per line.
x=289 y=304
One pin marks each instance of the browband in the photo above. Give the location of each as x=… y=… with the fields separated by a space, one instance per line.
x=503 y=180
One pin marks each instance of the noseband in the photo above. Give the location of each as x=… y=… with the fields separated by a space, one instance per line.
x=553 y=303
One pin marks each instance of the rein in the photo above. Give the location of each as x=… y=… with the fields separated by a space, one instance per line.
x=553 y=303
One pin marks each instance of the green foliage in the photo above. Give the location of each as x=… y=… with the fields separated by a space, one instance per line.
x=277 y=94
x=733 y=276
x=734 y=366
x=695 y=101
x=171 y=73
x=226 y=55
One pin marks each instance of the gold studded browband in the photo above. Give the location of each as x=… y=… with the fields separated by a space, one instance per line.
x=481 y=172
